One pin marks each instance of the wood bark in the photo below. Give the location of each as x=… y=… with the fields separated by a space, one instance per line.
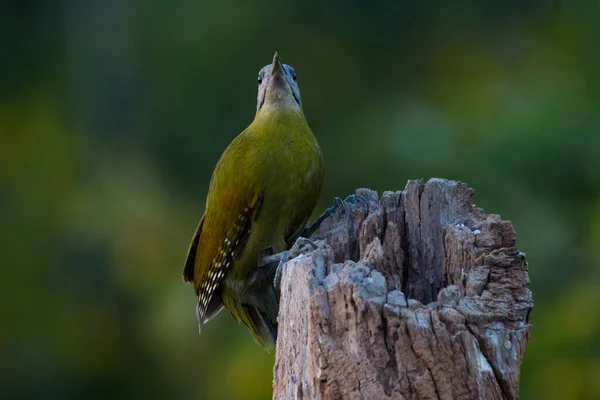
x=416 y=295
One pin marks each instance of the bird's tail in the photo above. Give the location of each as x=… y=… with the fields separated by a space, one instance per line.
x=263 y=329
x=261 y=321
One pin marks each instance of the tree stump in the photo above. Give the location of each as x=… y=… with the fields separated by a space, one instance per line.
x=417 y=295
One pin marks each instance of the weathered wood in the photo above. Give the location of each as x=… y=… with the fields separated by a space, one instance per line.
x=417 y=295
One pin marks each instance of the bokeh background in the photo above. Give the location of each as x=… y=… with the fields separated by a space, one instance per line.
x=113 y=114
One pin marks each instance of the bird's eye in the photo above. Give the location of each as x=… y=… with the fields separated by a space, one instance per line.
x=259 y=80
x=290 y=72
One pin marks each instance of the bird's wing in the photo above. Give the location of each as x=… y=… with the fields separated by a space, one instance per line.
x=188 y=268
x=215 y=305
x=232 y=206
x=208 y=276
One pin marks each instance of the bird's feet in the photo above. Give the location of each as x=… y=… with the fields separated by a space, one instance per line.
x=293 y=252
x=337 y=203
x=352 y=198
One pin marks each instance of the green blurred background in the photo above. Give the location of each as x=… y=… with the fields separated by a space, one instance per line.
x=113 y=114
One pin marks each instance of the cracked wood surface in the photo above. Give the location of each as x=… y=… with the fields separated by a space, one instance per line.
x=417 y=295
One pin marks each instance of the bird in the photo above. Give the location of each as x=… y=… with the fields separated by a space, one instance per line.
x=261 y=195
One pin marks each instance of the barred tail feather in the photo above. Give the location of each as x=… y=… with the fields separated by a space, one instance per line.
x=263 y=330
x=272 y=328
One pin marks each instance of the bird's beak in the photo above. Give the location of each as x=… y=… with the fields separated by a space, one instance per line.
x=278 y=89
x=277 y=66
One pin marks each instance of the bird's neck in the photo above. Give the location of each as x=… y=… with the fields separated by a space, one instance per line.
x=280 y=123
x=276 y=114
x=285 y=106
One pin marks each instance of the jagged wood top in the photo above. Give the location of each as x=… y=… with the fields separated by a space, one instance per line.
x=422 y=295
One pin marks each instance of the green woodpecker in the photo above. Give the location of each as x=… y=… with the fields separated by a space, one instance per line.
x=261 y=195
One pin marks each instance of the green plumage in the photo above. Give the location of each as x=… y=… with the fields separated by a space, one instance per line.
x=262 y=193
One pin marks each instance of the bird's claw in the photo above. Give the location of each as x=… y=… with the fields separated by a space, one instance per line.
x=337 y=203
x=292 y=253
x=351 y=199
x=300 y=243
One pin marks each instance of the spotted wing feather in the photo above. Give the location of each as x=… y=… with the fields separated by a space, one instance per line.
x=232 y=245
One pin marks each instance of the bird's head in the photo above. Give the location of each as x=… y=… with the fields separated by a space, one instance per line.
x=277 y=86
